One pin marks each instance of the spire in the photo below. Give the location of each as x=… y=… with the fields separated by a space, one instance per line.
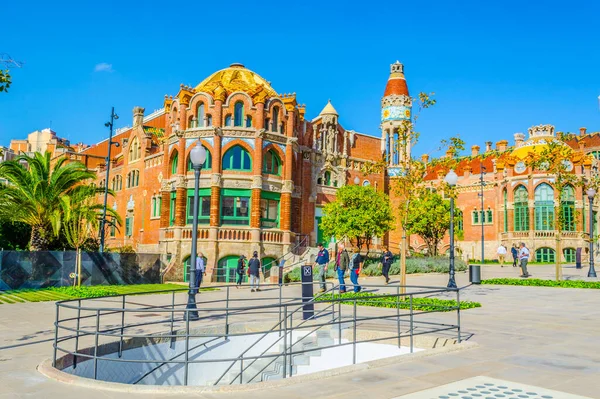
x=396 y=84
x=329 y=110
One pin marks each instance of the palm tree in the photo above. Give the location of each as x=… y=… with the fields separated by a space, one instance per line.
x=38 y=193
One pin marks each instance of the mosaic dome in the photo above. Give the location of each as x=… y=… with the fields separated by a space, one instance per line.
x=236 y=78
x=539 y=137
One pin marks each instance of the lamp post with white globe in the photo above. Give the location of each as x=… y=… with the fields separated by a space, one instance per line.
x=591 y=193
x=451 y=178
x=197 y=158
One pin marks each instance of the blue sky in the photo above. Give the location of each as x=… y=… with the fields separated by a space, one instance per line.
x=497 y=68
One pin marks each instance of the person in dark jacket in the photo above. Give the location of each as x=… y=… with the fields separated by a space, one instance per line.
x=254 y=272
x=322 y=261
x=355 y=265
x=240 y=270
x=342 y=261
x=515 y=254
x=386 y=262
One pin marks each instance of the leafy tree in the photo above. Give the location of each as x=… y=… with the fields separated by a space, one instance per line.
x=358 y=213
x=429 y=218
x=5 y=80
x=39 y=193
x=14 y=235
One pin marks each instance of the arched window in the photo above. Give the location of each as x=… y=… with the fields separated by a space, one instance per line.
x=209 y=120
x=267 y=124
x=207 y=163
x=545 y=255
x=248 y=121
x=521 y=202
x=135 y=150
x=228 y=120
x=328 y=178
x=505 y=195
x=133 y=179
x=238 y=114
x=174 y=161
x=567 y=208
x=200 y=115
x=237 y=158
x=116 y=183
x=272 y=163
x=544 y=207
x=275 y=124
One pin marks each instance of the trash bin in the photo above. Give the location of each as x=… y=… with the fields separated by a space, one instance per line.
x=475 y=274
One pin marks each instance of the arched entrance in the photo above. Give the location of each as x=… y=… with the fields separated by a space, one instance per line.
x=226 y=269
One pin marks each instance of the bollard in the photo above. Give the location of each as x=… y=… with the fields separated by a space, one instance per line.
x=475 y=274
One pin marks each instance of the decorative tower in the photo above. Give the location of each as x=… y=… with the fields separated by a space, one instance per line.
x=396 y=107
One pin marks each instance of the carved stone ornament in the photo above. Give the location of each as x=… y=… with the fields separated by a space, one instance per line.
x=261 y=133
x=160 y=177
x=257 y=182
x=276 y=138
x=306 y=155
x=229 y=183
x=218 y=131
x=165 y=186
x=215 y=179
x=288 y=186
x=271 y=187
x=181 y=182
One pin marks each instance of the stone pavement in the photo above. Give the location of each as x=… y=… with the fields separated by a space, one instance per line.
x=545 y=337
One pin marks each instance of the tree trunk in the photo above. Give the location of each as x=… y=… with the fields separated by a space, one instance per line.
x=558 y=256
x=403 y=263
x=39 y=239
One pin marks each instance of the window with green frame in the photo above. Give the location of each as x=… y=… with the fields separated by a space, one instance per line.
x=567 y=208
x=327 y=180
x=545 y=255
x=203 y=209
x=172 y=208
x=505 y=211
x=174 y=164
x=129 y=225
x=544 y=207
x=274 y=125
x=238 y=114
x=200 y=115
x=207 y=163
x=248 y=121
x=113 y=229
x=459 y=220
x=569 y=254
x=235 y=207
x=156 y=206
x=237 y=158
x=521 y=202
x=269 y=209
x=272 y=163
x=475 y=216
x=489 y=216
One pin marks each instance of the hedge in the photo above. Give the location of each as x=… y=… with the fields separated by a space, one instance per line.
x=536 y=282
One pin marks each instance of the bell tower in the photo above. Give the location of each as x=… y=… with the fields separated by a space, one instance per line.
x=396 y=107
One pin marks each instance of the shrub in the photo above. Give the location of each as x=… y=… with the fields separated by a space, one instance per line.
x=424 y=304
x=535 y=282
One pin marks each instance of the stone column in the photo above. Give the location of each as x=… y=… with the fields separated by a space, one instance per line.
x=181 y=188
x=260 y=115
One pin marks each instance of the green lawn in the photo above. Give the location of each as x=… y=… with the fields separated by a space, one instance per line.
x=536 y=282
x=424 y=304
x=60 y=293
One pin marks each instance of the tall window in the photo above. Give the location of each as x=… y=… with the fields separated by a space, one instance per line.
x=275 y=124
x=235 y=209
x=569 y=254
x=209 y=120
x=269 y=209
x=327 y=180
x=248 y=121
x=200 y=115
x=172 y=203
x=545 y=255
x=135 y=150
x=459 y=220
x=567 y=208
x=489 y=216
x=129 y=225
x=117 y=183
x=207 y=163
x=267 y=124
x=203 y=206
x=544 y=207
x=133 y=179
x=174 y=162
x=237 y=158
x=272 y=163
x=521 y=202
x=228 y=120
x=156 y=206
x=505 y=211
x=238 y=114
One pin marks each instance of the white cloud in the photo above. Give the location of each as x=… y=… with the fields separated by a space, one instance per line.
x=103 y=67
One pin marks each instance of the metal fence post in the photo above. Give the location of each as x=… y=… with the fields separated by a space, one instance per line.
x=458 y=313
x=77 y=334
x=56 y=323
x=291 y=341
x=227 y=314
x=354 y=334
x=172 y=319
x=187 y=348
x=398 y=314
x=122 y=328
x=241 y=369
x=284 y=341
x=96 y=344
x=411 y=324
x=340 y=321
x=280 y=285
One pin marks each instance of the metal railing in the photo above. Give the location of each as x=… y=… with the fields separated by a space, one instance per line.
x=98 y=331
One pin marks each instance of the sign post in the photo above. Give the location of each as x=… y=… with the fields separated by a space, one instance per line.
x=281 y=271
x=308 y=308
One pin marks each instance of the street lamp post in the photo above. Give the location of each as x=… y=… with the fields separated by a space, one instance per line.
x=482 y=214
x=591 y=193
x=113 y=116
x=197 y=157
x=451 y=178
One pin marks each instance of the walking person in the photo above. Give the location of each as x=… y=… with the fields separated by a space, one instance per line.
x=524 y=258
x=386 y=262
x=342 y=261
x=241 y=265
x=355 y=265
x=501 y=251
x=322 y=261
x=254 y=272
x=515 y=254
x=200 y=270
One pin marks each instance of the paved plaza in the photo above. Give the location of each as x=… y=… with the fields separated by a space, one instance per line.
x=532 y=336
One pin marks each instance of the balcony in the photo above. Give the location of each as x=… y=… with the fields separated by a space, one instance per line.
x=544 y=234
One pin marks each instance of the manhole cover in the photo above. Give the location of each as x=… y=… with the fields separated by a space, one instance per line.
x=489 y=388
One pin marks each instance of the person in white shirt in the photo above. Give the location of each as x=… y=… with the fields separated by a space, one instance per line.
x=523 y=259
x=501 y=254
x=200 y=270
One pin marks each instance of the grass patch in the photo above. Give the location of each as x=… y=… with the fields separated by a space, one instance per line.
x=536 y=282
x=424 y=304
x=61 y=293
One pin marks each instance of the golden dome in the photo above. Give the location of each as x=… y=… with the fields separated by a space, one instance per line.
x=539 y=137
x=236 y=78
